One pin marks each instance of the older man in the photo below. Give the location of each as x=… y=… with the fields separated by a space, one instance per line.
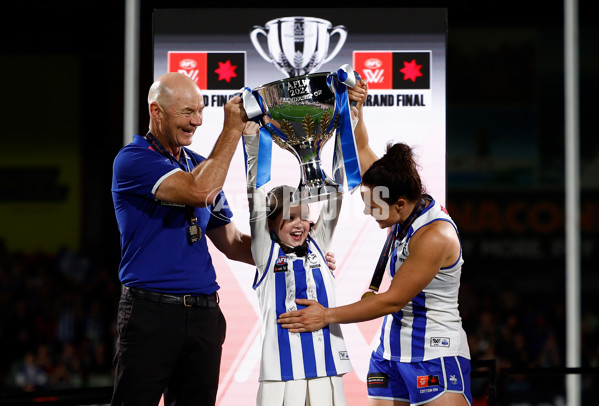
x=167 y=200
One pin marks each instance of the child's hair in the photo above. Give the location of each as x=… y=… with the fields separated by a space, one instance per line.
x=398 y=171
x=278 y=200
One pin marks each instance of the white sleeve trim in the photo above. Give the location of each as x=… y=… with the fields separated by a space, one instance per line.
x=159 y=181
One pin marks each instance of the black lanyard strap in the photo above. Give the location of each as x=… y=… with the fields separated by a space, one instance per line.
x=158 y=146
x=193 y=232
x=397 y=233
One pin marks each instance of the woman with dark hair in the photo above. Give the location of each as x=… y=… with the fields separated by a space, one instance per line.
x=423 y=355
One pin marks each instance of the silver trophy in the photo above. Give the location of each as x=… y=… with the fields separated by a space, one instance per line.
x=301 y=112
x=298 y=45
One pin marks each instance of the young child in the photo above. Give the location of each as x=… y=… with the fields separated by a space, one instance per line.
x=296 y=369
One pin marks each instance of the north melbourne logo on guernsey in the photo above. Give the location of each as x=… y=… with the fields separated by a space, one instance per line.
x=210 y=70
x=394 y=70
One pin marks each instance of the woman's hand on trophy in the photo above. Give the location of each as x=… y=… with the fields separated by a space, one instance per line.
x=269 y=120
x=358 y=93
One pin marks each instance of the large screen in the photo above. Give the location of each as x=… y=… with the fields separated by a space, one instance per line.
x=400 y=52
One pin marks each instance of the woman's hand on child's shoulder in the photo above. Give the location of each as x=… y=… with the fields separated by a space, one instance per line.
x=331 y=261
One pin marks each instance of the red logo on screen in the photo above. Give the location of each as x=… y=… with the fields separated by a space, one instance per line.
x=376 y=68
x=226 y=71
x=210 y=70
x=373 y=63
x=192 y=64
x=188 y=64
x=411 y=70
x=408 y=70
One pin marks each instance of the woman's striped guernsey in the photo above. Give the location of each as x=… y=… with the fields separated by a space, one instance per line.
x=429 y=326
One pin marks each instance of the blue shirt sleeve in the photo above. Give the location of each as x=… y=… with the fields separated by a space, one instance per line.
x=221 y=213
x=137 y=170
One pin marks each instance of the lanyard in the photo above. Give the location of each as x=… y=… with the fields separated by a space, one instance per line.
x=194 y=232
x=157 y=145
x=397 y=233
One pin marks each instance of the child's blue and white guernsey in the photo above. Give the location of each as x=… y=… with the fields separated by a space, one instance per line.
x=281 y=278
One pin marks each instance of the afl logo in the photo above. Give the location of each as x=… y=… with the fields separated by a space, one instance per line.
x=280 y=265
x=188 y=63
x=373 y=63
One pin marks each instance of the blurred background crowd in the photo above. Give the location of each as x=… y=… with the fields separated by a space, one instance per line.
x=57 y=318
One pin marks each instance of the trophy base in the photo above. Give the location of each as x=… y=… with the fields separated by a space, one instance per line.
x=305 y=194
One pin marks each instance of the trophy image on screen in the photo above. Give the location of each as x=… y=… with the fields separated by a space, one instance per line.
x=298 y=45
x=301 y=114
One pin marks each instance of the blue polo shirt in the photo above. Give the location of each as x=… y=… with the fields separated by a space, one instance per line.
x=155 y=252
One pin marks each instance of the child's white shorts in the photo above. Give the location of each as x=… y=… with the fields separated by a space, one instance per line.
x=325 y=391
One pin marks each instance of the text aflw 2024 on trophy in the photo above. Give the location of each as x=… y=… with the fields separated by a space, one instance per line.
x=298 y=45
x=300 y=114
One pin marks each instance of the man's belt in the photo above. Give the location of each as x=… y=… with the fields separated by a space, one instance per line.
x=185 y=300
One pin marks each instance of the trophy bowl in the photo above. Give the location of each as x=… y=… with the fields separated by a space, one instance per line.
x=298 y=45
x=302 y=116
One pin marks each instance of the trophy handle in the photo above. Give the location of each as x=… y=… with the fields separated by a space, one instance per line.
x=342 y=31
x=254 y=37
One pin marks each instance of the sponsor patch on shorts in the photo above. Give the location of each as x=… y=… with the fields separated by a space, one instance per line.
x=427 y=380
x=377 y=380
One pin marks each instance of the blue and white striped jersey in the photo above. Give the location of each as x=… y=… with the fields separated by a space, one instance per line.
x=281 y=278
x=429 y=326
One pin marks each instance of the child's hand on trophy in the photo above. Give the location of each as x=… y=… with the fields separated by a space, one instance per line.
x=251 y=128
